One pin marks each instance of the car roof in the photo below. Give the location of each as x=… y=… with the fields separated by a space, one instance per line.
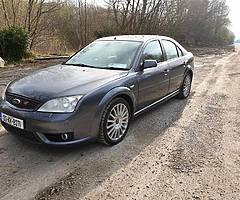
x=141 y=38
x=137 y=38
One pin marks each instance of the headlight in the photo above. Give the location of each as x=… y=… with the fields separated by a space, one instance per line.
x=61 y=105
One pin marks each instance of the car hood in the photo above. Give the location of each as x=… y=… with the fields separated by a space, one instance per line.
x=62 y=80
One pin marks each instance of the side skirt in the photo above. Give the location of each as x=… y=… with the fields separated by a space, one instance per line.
x=157 y=102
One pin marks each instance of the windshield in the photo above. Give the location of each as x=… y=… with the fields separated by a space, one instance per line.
x=106 y=55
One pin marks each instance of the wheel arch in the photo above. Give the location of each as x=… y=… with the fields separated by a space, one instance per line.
x=123 y=92
x=190 y=71
x=128 y=99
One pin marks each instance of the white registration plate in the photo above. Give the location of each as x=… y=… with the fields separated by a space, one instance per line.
x=18 y=123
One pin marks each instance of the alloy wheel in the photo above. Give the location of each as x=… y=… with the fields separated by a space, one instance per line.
x=117 y=122
x=187 y=85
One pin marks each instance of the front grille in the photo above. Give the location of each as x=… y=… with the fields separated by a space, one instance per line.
x=22 y=102
x=22 y=133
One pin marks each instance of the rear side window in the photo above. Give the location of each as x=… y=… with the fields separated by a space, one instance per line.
x=153 y=51
x=170 y=49
x=180 y=53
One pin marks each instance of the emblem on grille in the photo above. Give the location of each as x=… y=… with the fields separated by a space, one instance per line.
x=16 y=101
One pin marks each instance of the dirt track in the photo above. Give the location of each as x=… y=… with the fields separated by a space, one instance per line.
x=180 y=150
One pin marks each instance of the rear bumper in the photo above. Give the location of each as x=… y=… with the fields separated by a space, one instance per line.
x=46 y=128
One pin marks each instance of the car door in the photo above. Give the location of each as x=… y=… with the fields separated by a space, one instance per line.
x=153 y=82
x=174 y=57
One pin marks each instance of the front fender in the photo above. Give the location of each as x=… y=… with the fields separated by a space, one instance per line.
x=115 y=92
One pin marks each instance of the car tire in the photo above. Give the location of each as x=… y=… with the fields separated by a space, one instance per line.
x=185 y=89
x=115 y=122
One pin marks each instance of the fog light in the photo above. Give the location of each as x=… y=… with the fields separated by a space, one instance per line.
x=64 y=136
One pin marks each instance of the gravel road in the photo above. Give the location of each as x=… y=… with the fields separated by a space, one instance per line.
x=182 y=149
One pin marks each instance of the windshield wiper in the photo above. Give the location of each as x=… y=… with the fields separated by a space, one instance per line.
x=81 y=65
x=90 y=66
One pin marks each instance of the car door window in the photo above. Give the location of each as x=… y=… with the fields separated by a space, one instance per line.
x=153 y=51
x=170 y=49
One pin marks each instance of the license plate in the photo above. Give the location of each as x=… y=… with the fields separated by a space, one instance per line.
x=13 y=121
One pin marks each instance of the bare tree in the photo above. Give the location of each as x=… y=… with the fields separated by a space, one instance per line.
x=77 y=23
x=5 y=13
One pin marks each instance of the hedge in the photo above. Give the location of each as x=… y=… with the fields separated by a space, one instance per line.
x=13 y=43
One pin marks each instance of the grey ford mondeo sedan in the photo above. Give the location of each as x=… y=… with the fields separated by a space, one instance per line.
x=96 y=92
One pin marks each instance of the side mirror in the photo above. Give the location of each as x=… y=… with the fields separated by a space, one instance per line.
x=148 y=64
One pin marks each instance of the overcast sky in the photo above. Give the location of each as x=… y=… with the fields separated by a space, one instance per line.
x=234 y=14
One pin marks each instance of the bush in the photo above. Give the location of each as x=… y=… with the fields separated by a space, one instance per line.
x=13 y=44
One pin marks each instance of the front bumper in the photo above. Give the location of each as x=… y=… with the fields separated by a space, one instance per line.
x=46 y=128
